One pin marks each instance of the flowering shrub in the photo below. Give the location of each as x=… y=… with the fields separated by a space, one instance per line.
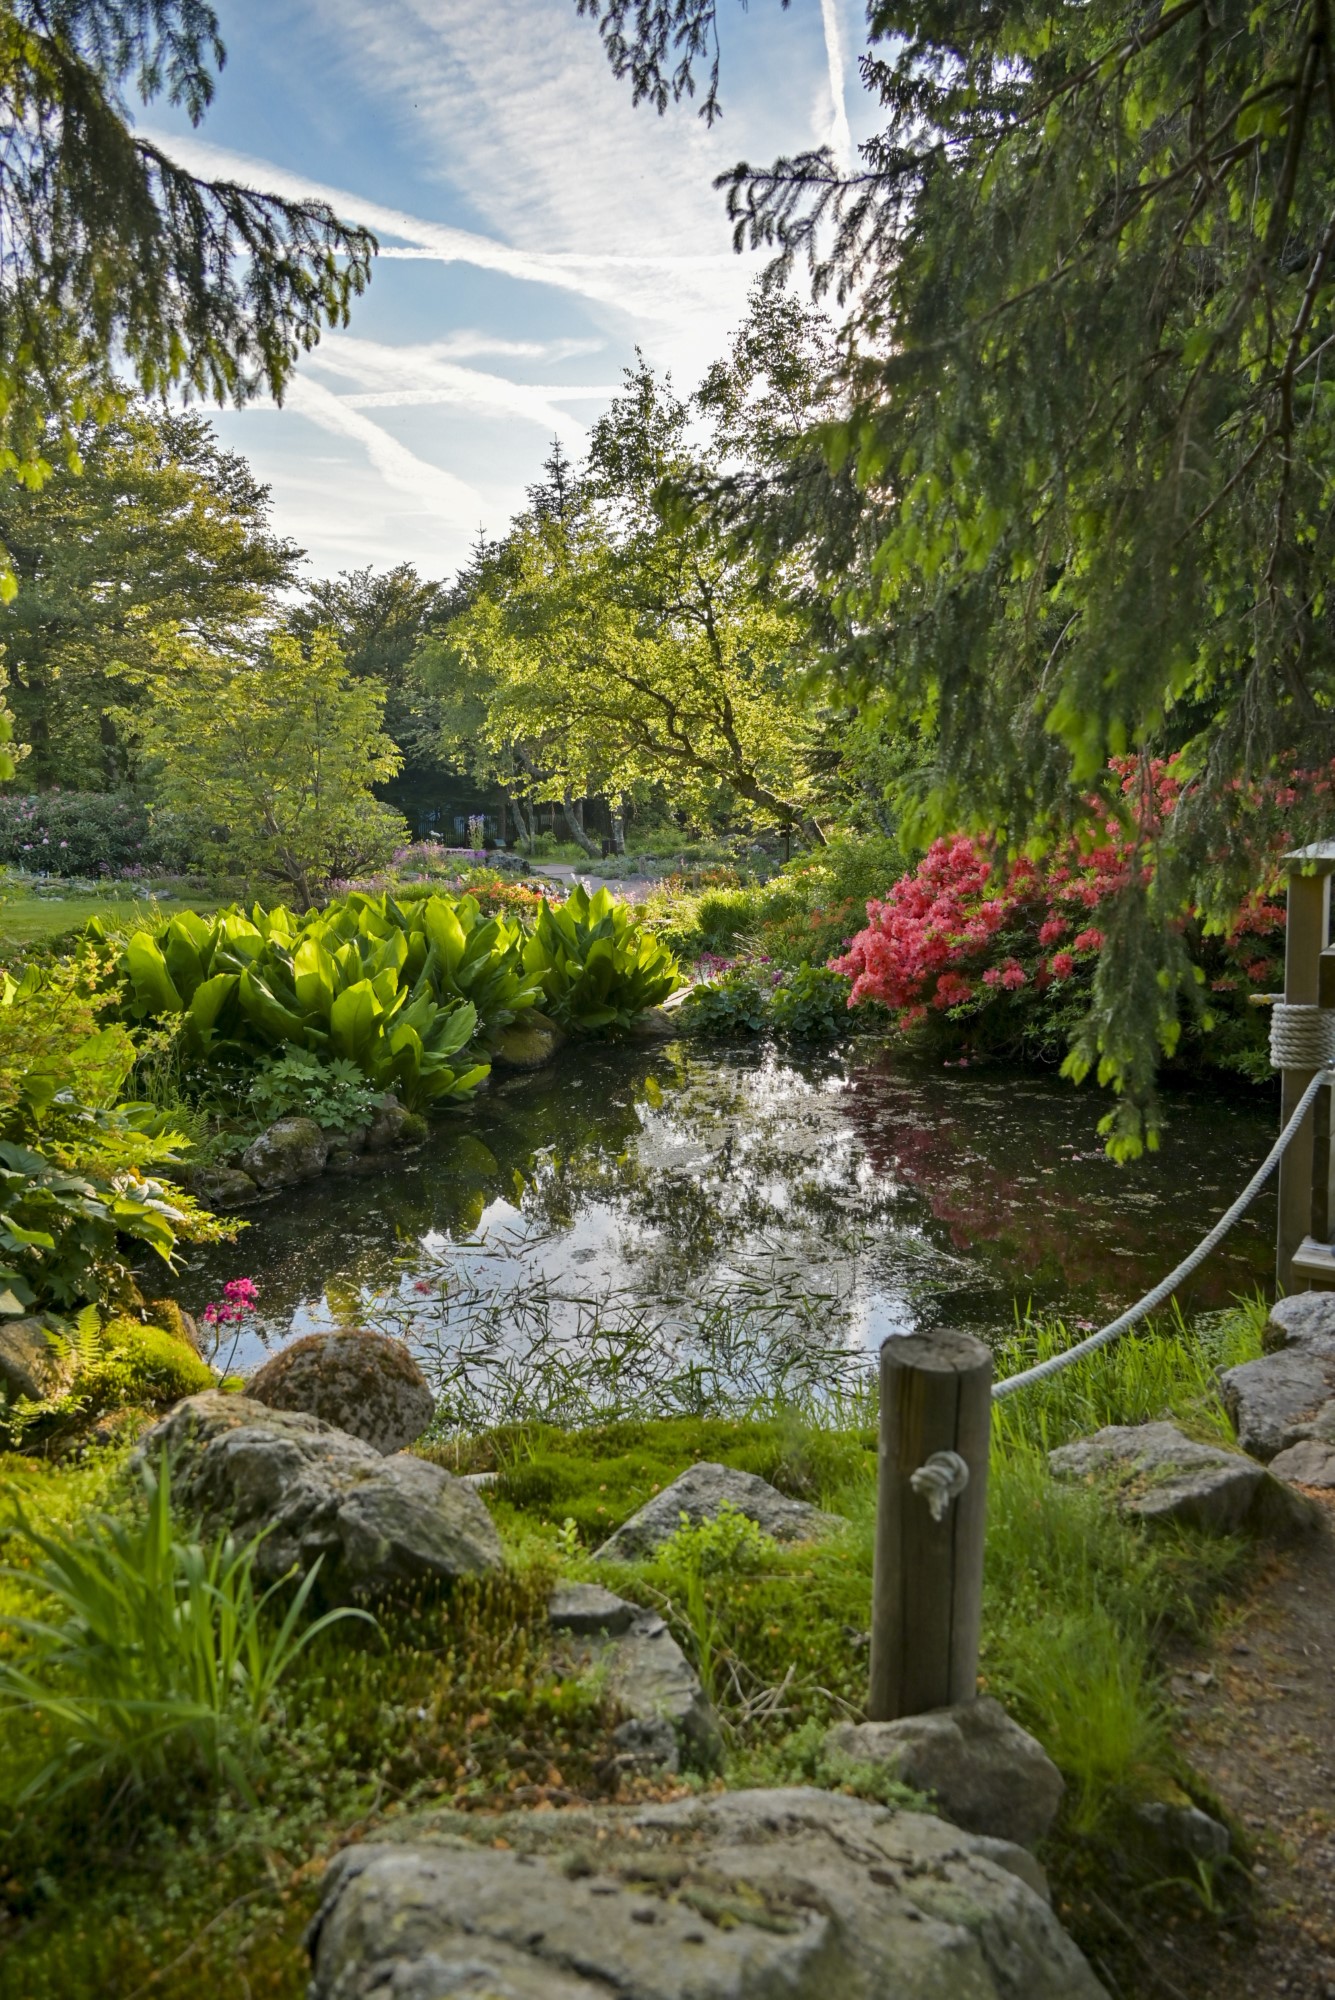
x=1009 y=954
x=88 y=833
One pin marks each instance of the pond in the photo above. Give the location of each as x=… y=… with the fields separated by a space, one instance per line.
x=846 y=1195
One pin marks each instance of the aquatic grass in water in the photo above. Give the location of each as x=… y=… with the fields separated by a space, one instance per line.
x=496 y=1358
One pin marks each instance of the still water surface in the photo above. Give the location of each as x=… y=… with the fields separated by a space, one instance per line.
x=908 y=1197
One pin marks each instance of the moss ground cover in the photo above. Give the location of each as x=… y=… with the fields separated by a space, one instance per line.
x=129 y=1891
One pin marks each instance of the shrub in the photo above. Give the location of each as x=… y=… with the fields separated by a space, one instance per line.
x=597 y=964
x=89 y=833
x=811 y=1004
x=335 y=1094
x=737 y=1002
x=999 y=955
x=73 y=1182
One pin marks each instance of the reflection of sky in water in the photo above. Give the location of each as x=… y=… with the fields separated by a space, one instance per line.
x=902 y=1196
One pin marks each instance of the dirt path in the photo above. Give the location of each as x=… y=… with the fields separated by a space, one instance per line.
x=1260 y=1728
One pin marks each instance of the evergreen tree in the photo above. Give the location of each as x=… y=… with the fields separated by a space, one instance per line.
x=113 y=255
x=1091 y=433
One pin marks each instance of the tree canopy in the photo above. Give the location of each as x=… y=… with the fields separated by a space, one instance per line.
x=271 y=760
x=159 y=532
x=113 y=256
x=1088 y=267
x=607 y=645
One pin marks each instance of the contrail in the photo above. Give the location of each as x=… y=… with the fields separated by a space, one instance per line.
x=841 y=137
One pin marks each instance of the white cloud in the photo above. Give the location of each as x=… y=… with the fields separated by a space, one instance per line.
x=397 y=377
x=451 y=501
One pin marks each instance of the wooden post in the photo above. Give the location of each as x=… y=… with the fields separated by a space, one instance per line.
x=1306 y=938
x=927 y=1590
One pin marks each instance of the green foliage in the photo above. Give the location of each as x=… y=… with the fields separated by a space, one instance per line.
x=399 y=990
x=597 y=964
x=735 y=1003
x=73 y=1185
x=151 y=1657
x=86 y=834
x=1160 y=1369
x=270 y=762
x=152 y=529
x=810 y=1004
x=335 y=1094
x=123 y=1365
x=120 y=259
x=61 y=1232
x=806 y=912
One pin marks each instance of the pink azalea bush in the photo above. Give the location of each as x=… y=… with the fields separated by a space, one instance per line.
x=1008 y=953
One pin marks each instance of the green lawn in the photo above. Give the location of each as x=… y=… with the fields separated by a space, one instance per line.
x=29 y=919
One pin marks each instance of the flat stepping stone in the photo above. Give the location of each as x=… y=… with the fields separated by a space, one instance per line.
x=1161 y=1475
x=739 y=1896
x=1310 y=1462
x=644 y=1672
x=699 y=1495
x=1276 y=1401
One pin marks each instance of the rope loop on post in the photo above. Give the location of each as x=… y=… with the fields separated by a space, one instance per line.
x=939 y=1480
x=1302 y=1036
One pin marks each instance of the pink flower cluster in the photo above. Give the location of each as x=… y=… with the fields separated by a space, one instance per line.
x=963 y=930
x=238 y=1299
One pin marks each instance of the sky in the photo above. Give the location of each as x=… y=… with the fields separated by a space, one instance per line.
x=534 y=230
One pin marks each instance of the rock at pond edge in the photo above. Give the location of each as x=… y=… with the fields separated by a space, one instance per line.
x=377 y=1524
x=366 y=1384
x=291 y=1150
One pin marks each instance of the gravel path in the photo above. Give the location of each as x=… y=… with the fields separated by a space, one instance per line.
x=1261 y=1729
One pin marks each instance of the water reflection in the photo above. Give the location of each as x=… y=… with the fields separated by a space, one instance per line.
x=908 y=1196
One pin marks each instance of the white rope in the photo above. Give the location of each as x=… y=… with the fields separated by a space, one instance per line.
x=1167 y=1286
x=939 y=1480
x=1302 y=1036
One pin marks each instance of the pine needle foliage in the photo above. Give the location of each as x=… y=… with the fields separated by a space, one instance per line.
x=111 y=248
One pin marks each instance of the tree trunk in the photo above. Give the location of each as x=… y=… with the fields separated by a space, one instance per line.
x=618 y=817
x=577 y=833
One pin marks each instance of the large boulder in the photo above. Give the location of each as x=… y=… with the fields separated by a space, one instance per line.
x=985 y=1773
x=376 y=1523
x=643 y=1671
x=528 y=1043
x=699 y=1495
x=742 y=1896
x=1276 y=1401
x=292 y=1150
x=363 y=1383
x=1162 y=1476
x=35 y=1366
x=223 y=1188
